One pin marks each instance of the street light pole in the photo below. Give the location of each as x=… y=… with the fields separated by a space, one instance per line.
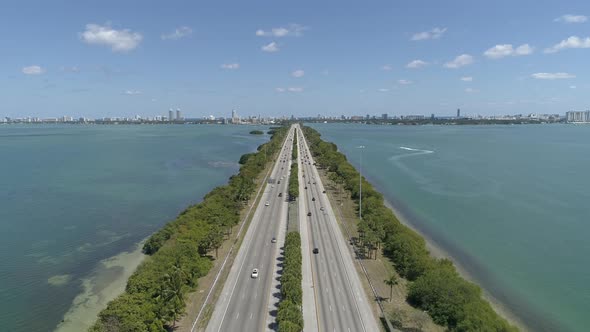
x=361 y=183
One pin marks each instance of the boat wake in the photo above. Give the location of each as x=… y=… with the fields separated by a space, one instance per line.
x=417 y=150
x=417 y=176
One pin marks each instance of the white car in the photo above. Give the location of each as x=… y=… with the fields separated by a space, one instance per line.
x=254 y=273
x=267 y=203
x=322 y=208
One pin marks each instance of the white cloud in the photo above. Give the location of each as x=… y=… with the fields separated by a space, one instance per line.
x=571 y=42
x=573 y=87
x=524 y=49
x=499 y=51
x=272 y=47
x=435 y=33
x=470 y=90
x=568 y=18
x=466 y=78
x=298 y=73
x=417 y=64
x=552 y=76
x=383 y=90
x=387 y=67
x=289 y=89
x=295 y=30
x=118 y=40
x=504 y=50
x=132 y=92
x=178 y=33
x=230 y=66
x=33 y=70
x=460 y=61
x=404 y=82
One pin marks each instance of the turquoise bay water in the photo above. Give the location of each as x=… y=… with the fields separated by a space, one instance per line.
x=71 y=196
x=511 y=204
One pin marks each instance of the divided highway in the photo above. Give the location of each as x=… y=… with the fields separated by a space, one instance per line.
x=341 y=304
x=243 y=304
x=333 y=297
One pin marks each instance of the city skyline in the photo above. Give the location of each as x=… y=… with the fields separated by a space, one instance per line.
x=301 y=59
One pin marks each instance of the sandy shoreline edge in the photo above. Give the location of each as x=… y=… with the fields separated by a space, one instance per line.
x=438 y=252
x=107 y=281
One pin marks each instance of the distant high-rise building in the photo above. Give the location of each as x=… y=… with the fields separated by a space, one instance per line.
x=170 y=115
x=432 y=116
x=368 y=117
x=384 y=116
x=577 y=116
x=178 y=114
x=235 y=119
x=458 y=112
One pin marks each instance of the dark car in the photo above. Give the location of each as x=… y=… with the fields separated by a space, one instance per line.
x=305 y=187
x=313 y=199
x=316 y=250
x=309 y=214
x=279 y=182
x=280 y=194
x=323 y=192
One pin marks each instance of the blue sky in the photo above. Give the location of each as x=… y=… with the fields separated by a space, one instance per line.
x=109 y=58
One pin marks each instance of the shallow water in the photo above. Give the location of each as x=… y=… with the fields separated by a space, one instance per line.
x=510 y=203
x=71 y=196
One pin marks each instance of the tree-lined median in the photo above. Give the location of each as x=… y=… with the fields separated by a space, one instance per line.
x=289 y=315
x=293 y=177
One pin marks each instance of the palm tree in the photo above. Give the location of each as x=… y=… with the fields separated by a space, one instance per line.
x=392 y=281
x=174 y=292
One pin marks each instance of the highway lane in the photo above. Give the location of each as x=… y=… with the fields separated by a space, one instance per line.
x=341 y=302
x=243 y=303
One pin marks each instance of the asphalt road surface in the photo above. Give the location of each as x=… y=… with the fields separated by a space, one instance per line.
x=243 y=303
x=341 y=302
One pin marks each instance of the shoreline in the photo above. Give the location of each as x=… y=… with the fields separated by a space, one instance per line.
x=104 y=283
x=437 y=251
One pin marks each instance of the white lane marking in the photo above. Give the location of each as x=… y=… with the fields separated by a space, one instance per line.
x=252 y=314
x=238 y=315
x=330 y=307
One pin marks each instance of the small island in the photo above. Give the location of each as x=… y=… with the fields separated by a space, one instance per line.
x=256 y=132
